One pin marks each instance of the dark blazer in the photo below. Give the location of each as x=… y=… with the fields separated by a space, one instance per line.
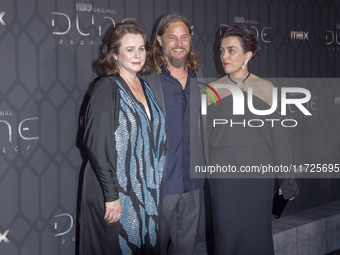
x=196 y=140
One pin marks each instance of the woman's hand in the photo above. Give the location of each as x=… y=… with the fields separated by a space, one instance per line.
x=280 y=193
x=112 y=211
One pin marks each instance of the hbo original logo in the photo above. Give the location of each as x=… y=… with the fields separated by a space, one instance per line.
x=83 y=7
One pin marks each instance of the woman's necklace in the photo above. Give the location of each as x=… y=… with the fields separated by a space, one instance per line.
x=244 y=85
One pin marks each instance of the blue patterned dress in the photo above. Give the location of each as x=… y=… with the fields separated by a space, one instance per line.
x=126 y=160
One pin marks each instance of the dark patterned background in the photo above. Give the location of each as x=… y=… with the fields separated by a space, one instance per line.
x=46 y=52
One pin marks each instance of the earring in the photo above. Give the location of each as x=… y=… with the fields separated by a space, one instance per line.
x=244 y=64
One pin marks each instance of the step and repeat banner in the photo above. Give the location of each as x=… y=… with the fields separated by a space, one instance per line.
x=47 y=50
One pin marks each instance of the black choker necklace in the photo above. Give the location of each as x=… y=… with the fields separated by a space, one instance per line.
x=244 y=85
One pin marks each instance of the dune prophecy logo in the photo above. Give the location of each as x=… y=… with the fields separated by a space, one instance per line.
x=89 y=22
x=15 y=137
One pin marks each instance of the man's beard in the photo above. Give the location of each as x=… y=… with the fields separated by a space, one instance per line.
x=176 y=62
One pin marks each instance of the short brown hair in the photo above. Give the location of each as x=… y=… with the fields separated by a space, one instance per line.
x=247 y=39
x=107 y=65
x=157 y=50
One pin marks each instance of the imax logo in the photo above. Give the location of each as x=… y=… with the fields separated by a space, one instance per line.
x=238 y=100
x=299 y=35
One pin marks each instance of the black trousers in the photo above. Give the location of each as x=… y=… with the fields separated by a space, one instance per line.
x=182 y=222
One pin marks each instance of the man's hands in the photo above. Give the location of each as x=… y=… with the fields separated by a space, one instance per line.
x=112 y=211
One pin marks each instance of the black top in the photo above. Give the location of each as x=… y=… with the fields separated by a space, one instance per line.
x=191 y=180
x=241 y=202
x=126 y=161
x=177 y=105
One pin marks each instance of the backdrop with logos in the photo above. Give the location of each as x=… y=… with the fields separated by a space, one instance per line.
x=47 y=49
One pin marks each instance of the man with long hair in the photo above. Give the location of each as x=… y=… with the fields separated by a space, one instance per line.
x=176 y=68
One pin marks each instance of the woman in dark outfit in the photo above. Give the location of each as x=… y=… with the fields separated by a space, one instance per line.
x=125 y=139
x=241 y=207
